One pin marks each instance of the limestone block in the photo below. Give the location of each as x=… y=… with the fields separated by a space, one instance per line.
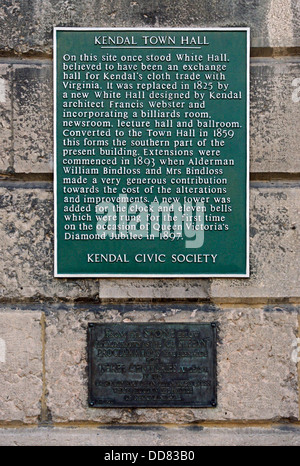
x=33 y=117
x=256 y=367
x=27 y=26
x=26 y=244
x=152 y=436
x=274 y=116
x=153 y=288
x=274 y=247
x=20 y=366
x=5 y=118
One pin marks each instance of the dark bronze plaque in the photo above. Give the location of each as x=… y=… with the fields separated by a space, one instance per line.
x=152 y=365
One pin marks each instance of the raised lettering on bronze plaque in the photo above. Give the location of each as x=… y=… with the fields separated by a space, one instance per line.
x=152 y=365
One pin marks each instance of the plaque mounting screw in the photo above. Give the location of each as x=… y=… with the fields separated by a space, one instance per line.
x=213 y=324
x=213 y=403
x=91 y=324
x=91 y=403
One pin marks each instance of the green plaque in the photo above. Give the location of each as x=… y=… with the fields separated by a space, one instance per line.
x=151 y=142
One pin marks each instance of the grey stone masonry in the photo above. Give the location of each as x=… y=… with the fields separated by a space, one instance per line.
x=27 y=107
x=32 y=117
x=274 y=23
x=44 y=320
x=6 y=118
x=257 y=370
x=274 y=116
x=152 y=437
x=26 y=244
x=21 y=368
x=26 y=239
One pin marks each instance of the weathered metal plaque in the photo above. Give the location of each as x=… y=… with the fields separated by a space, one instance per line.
x=152 y=365
x=151 y=152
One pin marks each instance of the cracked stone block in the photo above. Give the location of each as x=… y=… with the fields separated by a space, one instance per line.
x=21 y=368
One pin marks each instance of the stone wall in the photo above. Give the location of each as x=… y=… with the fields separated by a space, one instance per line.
x=43 y=320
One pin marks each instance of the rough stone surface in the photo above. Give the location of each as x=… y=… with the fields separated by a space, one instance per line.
x=274 y=257
x=257 y=375
x=26 y=245
x=26 y=233
x=151 y=436
x=274 y=247
x=153 y=288
x=43 y=345
x=274 y=121
x=20 y=366
x=27 y=26
x=33 y=115
x=274 y=116
x=283 y=16
x=5 y=118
